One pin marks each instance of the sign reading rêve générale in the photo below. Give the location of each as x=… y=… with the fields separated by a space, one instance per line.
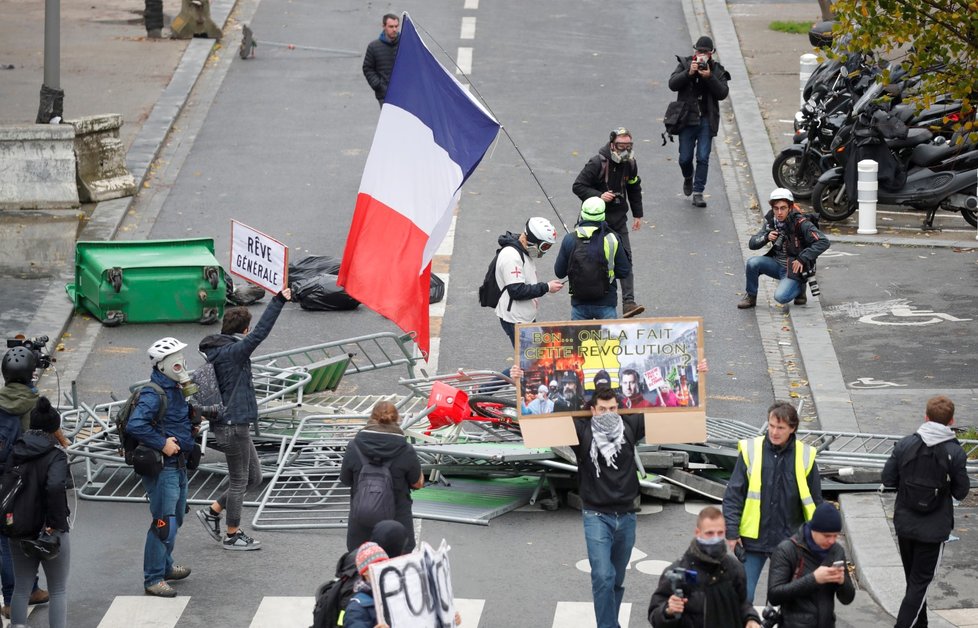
x=259 y=258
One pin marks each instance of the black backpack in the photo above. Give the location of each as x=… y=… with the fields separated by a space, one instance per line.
x=9 y=433
x=588 y=278
x=208 y=396
x=489 y=291
x=332 y=596
x=373 y=496
x=128 y=443
x=21 y=513
x=924 y=476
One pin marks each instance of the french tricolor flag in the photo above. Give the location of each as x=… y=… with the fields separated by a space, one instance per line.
x=430 y=137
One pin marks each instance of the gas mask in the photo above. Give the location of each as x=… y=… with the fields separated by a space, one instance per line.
x=537 y=249
x=621 y=156
x=174 y=367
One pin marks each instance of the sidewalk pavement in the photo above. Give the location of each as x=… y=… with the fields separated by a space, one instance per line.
x=764 y=107
x=108 y=66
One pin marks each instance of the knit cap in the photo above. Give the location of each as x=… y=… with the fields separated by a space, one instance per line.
x=826 y=519
x=369 y=553
x=704 y=44
x=592 y=210
x=44 y=417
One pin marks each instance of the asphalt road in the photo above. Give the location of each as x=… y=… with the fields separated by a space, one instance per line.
x=279 y=142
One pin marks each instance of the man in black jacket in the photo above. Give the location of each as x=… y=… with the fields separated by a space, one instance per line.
x=808 y=572
x=612 y=175
x=795 y=245
x=719 y=588
x=702 y=83
x=608 y=478
x=379 y=60
x=924 y=518
x=230 y=353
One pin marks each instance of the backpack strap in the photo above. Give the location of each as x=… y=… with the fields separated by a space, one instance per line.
x=161 y=412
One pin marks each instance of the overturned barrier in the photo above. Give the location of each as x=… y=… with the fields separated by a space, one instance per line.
x=101 y=159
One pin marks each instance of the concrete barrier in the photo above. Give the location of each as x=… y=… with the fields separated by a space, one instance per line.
x=101 y=157
x=39 y=240
x=37 y=167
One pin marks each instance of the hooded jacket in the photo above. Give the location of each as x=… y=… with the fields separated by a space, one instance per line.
x=176 y=421
x=50 y=462
x=405 y=470
x=516 y=276
x=805 y=241
x=231 y=356
x=19 y=399
x=804 y=602
x=378 y=63
x=702 y=94
x=928 y=527
x=601 y=174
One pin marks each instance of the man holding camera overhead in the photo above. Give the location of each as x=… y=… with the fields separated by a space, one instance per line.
x=707 y=586
x=795 y=245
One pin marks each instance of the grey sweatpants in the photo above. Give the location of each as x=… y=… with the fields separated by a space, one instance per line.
x=56 y=572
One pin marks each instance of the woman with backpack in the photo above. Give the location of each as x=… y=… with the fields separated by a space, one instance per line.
x=41 y=455
x=392 y=470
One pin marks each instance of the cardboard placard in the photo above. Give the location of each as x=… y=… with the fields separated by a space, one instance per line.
x=414 y=590
x=258 y=258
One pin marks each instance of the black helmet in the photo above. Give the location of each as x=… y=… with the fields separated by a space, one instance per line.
x=44 y=547
x=18 y=365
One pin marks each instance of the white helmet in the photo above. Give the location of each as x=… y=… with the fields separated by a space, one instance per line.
x=162 y=348
x=540 y=236
x=781 y=194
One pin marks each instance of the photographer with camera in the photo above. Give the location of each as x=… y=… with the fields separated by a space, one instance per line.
x=612 y=175
x=706 y=583
x=795 y=245
x=702 y=83
x=808 y=572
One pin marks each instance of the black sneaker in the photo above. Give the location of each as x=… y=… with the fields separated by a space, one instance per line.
x=241 y=542
x=698 y=200
x=687 y=186
x=211 y=523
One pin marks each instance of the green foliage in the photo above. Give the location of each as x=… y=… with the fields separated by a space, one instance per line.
x=800 y=28
x=935 y=39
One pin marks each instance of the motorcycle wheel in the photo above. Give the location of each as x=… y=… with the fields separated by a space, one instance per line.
x=831 y=201
x=787 y=174
x=971 y=216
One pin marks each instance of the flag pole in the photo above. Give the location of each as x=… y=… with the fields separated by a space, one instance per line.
x=501 y=126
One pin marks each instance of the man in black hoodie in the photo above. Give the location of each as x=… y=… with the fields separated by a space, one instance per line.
x=702 y=83
x=612 y=175
x=379 y=60
x=230 y=353
x=927 y=468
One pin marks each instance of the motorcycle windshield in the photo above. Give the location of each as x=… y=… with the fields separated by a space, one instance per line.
x=874 y=90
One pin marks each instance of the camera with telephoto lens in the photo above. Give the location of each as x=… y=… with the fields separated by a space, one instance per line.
x=809 y=274
x=770 y=617
x=35 y=345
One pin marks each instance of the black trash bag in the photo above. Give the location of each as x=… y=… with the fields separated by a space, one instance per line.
x=437 y=291
x=321 y=294
x=313 y=266
x=245 y=294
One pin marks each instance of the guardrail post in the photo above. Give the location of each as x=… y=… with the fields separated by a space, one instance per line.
x=866 y=188
x=808 y=63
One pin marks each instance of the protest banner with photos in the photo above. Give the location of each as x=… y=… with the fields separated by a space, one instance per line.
x=650 y=364
x=415 y=590
x=258 y=258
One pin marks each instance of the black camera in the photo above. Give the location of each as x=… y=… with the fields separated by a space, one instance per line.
x=702 y=65
x=780 y=241
x=679 y=578
x=35 y=345
x=770 y=617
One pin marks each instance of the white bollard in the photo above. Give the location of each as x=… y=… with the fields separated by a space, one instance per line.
x=808 y=63
x=866 y=188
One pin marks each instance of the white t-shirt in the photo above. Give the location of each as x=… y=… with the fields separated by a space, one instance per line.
x=510 y=268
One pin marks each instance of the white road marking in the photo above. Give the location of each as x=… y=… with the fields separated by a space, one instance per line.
x=468 y=28
x=470 y=610
x=581 y=615
x=471 y=5
x=464 y=60
x=144 y=611
x=283 y=611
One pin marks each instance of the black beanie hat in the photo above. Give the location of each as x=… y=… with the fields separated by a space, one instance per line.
x=704 y=44
x=44 y=417
x=826 y=519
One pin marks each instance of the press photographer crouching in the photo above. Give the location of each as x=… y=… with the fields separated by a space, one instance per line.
x=706 y=588
x=808 y=571
x=796 y=243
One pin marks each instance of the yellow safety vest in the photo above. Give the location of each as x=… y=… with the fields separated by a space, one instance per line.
x=752 y=450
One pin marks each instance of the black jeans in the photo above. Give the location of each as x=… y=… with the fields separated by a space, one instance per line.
x=920 y=561
x=244 y=468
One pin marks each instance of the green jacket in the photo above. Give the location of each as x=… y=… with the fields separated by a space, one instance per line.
x=19 y=399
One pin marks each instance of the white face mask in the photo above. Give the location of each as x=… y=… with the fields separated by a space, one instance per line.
x=174 y=366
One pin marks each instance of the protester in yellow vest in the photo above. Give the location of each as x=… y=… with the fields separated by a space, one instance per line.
x=774 y=489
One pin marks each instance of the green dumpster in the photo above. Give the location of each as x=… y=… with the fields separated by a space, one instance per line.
x=154 y=281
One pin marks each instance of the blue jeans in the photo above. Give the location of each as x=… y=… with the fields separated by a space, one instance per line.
x=701 y=138
x=759 y=265
x=510 y=329
x=593 y=312
x=167 y=495
x=752 y=567
x=609 y=538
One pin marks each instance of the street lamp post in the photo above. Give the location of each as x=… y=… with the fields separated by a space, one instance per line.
x=52 y=96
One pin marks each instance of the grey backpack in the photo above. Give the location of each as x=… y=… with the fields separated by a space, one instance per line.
x=208 y=396
x=373 y=495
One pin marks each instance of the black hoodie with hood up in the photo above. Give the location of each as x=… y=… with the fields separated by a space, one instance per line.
x=50 y=462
